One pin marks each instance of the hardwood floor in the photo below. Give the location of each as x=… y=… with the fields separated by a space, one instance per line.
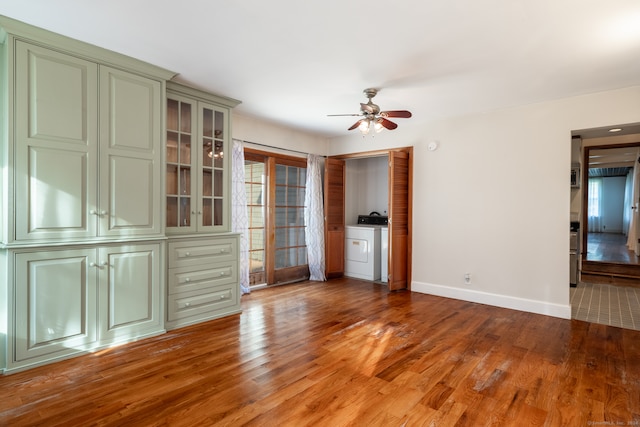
x=346 y=352
x=609 y=261
x=609 y=247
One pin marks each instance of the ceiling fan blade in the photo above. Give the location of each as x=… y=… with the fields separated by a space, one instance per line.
x=396 y=113
x=388 y=124
x=336 y=115
x=355 y=125
x=367 y=108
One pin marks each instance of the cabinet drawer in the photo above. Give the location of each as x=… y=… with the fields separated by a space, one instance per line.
x=186 y=279
x=190 y=253
x=220 y=300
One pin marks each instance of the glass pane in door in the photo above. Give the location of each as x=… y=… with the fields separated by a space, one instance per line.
x=218 y=178
x=289 y=221
x=178 y=160
x=173 y=111
x=207 y=210
x=212 y=154
x=255 y=187
x=218 y=212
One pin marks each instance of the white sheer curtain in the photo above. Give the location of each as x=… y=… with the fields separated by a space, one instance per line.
x=314 y=219
x=595 y=205
x=632 y=237
x=239 y=217
x=628 y=202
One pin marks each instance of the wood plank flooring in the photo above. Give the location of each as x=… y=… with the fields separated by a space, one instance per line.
x=342 y=353
x=609 y=247
x=609 y=261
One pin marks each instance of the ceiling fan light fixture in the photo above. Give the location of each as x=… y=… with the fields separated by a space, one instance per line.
x=378 y=126
x=373 y=118
x=364 y=126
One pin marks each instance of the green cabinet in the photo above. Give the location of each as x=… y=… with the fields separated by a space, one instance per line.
x=81 y=182
x=203 y=282
x=203 y=265
x=73 y=300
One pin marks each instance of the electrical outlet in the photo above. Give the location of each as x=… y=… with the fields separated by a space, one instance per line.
x=467 y=278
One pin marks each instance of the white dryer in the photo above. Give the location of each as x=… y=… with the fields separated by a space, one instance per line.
x=384 y=254
x=362 y=252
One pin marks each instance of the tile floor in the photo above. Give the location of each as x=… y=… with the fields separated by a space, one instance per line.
x=606 y=304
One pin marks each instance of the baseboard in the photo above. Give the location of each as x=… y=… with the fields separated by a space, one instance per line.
x=504 y=301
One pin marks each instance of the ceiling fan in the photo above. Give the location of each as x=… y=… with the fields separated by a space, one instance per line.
x=372 y=117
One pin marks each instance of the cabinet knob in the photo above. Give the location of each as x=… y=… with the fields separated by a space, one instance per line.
x=93 y=212
x=103 y=212
x=187 y=279
x=104 y=263
x=221 y=273
x=199 y=212
x=187 y=304
x=221 y=296
x=222 y=251
x=193 y=212
x=187 y=254
x=92 y=264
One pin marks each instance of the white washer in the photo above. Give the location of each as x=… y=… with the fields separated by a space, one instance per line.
x=362 y=252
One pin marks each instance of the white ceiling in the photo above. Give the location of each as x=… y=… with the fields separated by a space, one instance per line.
x=613 y=157
x=294 y=61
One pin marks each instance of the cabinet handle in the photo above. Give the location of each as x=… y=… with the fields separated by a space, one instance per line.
x=102 y=264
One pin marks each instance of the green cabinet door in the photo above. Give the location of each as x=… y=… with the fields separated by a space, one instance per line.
x=55 y=305
x=130 y=154
x=56 y=144
x=130 y=292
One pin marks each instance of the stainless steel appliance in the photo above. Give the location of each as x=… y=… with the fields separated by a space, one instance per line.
x=574 y=252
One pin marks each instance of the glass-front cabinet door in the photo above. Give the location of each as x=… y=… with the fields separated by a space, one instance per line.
x=197 y=183
x=212 y=211
x=180 y=187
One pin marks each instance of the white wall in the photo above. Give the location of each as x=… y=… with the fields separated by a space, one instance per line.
x=366 y=187
x=248 y=128
x=494 y=199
